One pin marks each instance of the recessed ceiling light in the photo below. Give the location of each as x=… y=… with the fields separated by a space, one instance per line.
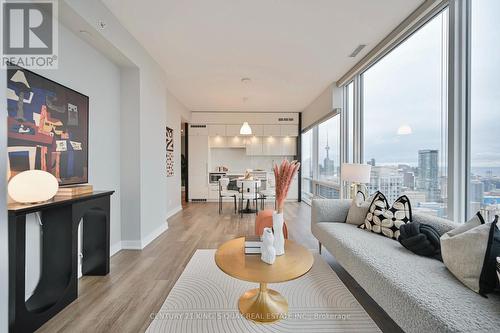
x=101 y=24
x=245 y=80
x=357 y=50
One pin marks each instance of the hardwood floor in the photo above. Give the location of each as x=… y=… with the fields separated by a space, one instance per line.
x=140 y=281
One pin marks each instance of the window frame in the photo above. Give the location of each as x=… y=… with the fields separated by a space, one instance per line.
x=458 y=100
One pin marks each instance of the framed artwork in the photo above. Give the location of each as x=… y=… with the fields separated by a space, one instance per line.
x=170 y=151
x=48 y=127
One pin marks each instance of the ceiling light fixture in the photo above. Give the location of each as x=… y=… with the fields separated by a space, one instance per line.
x=245 y=80
x=357 y=50
x=245 y=129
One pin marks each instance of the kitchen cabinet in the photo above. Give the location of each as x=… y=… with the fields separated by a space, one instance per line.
x=235 y=142
x=254 y=146
x=217 y=130
x=257 y=130
x=288 y=146
x=233 y=130
x=198 y=130
x=271 y=146
x=289 y=130
x=217 y=141
x=198 y=167
x=271 y=130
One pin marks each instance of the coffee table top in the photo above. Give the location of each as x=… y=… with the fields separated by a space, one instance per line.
x=231 y=259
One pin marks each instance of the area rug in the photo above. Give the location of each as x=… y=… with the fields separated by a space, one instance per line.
x=205 y=299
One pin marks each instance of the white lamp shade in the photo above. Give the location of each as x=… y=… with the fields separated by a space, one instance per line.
x=356 y=173
x=33 y=186
x=245 y=129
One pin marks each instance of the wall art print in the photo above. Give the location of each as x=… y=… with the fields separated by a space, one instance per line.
x=47 y=127
x=170 y=151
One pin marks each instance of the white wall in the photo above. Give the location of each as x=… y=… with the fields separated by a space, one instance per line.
x=130 y=171
x=176 y=112
x=4 y=262
x=322 y=105
x=154 y=114
x=86 y=70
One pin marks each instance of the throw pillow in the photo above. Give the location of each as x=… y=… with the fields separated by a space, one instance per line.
x=421 y=239
x=358 y=210
x=470 y=254
x=498 y=269
x=385 y=220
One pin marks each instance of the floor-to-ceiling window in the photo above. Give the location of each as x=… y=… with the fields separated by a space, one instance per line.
x=307 y=165
x=484 y=180
x=350 y=122
x=328 y=150
x=404 y=110
x=321 y=160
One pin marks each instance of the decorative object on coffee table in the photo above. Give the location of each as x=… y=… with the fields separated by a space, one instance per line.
x=264 y=220
x=263 y=304
x=253 y=244
x=268 y=252
x=283 y=175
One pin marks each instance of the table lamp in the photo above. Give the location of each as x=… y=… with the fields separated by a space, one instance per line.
x=358 y=175
x=32 y=186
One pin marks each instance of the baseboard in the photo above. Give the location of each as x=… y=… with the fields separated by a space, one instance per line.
x=152 y=236
x=115 y=248
x=131 y=245
x=139 y=245
x=174 y=211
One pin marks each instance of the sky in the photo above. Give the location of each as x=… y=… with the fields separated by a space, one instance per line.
x=404 y=88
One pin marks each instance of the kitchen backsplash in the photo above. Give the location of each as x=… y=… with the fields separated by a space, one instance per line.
x=237 y=160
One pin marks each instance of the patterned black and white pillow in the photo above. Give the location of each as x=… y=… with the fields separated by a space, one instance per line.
x=385 y=220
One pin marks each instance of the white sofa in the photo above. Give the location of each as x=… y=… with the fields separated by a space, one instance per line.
x=418 y=293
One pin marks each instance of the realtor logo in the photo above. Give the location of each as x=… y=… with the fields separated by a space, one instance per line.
x=29 y=33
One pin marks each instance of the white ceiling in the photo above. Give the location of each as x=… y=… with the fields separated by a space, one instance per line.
x=291 y=49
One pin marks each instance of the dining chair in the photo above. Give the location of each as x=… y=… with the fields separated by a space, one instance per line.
x=224 y=192
x=269 y=192
x=249 y=191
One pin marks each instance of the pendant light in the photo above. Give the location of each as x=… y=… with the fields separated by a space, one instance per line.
x=245 y=129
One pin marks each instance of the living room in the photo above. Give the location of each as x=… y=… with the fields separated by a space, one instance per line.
x=263 y=166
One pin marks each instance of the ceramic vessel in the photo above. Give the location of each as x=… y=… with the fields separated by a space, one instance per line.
x=268 y=253
x=279 y=237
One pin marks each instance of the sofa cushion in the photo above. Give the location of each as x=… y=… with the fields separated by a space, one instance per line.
x=419 y=293
x=385 y=220
x=359 y=209
x=469 y=252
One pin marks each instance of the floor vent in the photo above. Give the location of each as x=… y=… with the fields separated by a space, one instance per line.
x=198 y=200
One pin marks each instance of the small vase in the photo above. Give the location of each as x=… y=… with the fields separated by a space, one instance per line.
x=279 y=237
x=268 y=253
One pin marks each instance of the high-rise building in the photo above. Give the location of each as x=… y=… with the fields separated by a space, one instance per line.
x=428 y=174
x=476 y=191
x=387 y=180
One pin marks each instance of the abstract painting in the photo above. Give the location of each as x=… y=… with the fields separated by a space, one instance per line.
x=170 y=151
x=47 y=127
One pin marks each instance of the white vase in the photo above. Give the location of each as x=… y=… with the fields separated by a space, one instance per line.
x=268 y=253
x=279 y=237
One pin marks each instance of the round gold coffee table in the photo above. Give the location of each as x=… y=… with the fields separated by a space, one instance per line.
x=263 y=304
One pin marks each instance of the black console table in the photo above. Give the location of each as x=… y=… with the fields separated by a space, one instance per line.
x=58 y=285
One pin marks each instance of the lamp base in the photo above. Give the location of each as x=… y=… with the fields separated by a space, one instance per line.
x=358 y=187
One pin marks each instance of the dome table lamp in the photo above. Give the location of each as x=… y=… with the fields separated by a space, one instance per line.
x=32 y=186
x=358 y=175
